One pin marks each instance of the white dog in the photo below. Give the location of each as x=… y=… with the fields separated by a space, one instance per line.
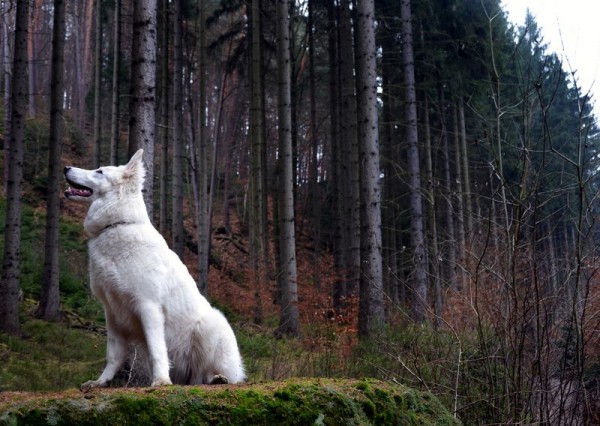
x=149 y=297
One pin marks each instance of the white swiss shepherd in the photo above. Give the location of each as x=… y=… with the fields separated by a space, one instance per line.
x=149 y=297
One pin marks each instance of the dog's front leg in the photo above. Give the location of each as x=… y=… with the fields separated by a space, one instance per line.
x=153 y=323
x=116 y=353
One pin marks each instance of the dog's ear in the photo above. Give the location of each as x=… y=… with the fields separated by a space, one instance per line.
x=138 y=156
x=135 y=170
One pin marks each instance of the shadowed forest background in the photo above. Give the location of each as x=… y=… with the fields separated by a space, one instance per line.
x=405 y=190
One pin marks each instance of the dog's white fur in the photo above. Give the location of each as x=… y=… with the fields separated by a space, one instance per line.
x=149 y=297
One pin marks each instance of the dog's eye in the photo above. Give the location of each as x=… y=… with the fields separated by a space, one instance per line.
x=99 y=171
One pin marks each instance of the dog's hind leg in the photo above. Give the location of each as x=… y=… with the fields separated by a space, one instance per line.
x=153 y=323
x=116 y=352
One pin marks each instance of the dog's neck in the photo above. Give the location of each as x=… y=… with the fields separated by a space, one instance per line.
x=112 y=225
x=97 y=233
x=104 y=216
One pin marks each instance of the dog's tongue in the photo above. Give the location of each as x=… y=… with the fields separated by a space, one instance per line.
x=75 y=192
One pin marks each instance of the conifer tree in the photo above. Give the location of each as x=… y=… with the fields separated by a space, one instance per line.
x=11 y=260
x=49 y=307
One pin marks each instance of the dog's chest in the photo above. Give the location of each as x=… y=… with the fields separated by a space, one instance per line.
x=127 y=259
x=121 y=247
x=111 y=282
x=111 y=261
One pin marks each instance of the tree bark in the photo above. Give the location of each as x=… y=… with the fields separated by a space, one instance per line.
x=204 y=186
x=7 y=78
x=80 y=56
x=116 y=101
x=87 y=16
x=466 y=182
x=9 y=286
x=339 y=285
x=458 y=203
x=49 y=307
x=163 y=215
x=232 y=126
x=257 y=169
x=177 y=133
x=143 y=91
x=289 y=318
x=449 y=248
x=34 y=23
x=432 y=219
x=391 y=182
x=4 y=50
x=419 y=278
x=314 y=197
x=371 y=315
x=97 y=86
x=349 y=185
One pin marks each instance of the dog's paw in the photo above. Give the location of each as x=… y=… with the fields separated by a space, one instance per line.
x=219 y=379
x=91 y=384
x=161 y=382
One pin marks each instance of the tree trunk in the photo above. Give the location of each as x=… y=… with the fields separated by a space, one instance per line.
x=6 y=77
x=177 y=133
x=459 y=205
x=97 y=86
x=35 y=17
x=349 y=185
x=4 y=50
x=204 y=186
x=143 y=91
x=87 y=16
x=419 y=278
x=257 y=189
x=163 y=215
x=9 y=286
x=314 y=198
x=289 y=319
x=49 y=307
x=466 y=184
x=83 y=13
x=232 y=120
x=449 y=248
x=339 y=285
x=391 y=181
x=432 y=219
x=215 y=153
x=80 y=55
x=116 y=102
x=552 y=263
x=371 y=314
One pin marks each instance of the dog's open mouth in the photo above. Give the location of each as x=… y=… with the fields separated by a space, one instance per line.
x=76 y=190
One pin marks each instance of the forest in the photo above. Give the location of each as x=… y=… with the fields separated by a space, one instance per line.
x=407 y=188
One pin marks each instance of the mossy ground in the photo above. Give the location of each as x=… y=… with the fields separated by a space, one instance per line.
x=293 y=402
x=52 y=356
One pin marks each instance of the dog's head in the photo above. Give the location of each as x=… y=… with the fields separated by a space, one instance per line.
x=90 y=185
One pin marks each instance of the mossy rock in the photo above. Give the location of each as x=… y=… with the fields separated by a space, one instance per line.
x=293 y=402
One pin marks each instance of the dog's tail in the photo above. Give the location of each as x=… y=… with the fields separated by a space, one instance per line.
x=215 y=357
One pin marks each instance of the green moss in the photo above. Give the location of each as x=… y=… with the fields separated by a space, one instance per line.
x=284 y=395
x=369 y=408
x=363 y=386
x=294 y=402
x=52 y=357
